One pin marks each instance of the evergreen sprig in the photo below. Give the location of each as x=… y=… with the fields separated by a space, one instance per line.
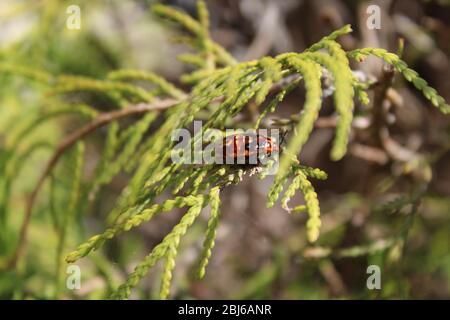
x=211 y=231
x=408 y=73
x=167 y=248
x=96 y=241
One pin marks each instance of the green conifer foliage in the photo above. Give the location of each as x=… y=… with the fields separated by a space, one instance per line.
x=221 y=87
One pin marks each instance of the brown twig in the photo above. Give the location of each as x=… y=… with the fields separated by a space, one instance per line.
x=66 y=143
x=369 y=153
x=378 y=110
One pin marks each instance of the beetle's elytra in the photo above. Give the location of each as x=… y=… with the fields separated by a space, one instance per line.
x=251 y=147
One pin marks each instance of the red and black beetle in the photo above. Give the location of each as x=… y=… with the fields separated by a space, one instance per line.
x=251 y=148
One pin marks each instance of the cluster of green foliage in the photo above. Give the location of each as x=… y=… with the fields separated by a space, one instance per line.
x=220 y=86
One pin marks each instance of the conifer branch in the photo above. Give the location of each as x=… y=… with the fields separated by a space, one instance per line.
x=101 y=120
x=221 y=89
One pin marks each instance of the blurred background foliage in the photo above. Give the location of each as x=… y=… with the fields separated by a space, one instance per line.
x=259 y=253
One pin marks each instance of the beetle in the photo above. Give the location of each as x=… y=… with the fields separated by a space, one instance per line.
x=250 y=147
